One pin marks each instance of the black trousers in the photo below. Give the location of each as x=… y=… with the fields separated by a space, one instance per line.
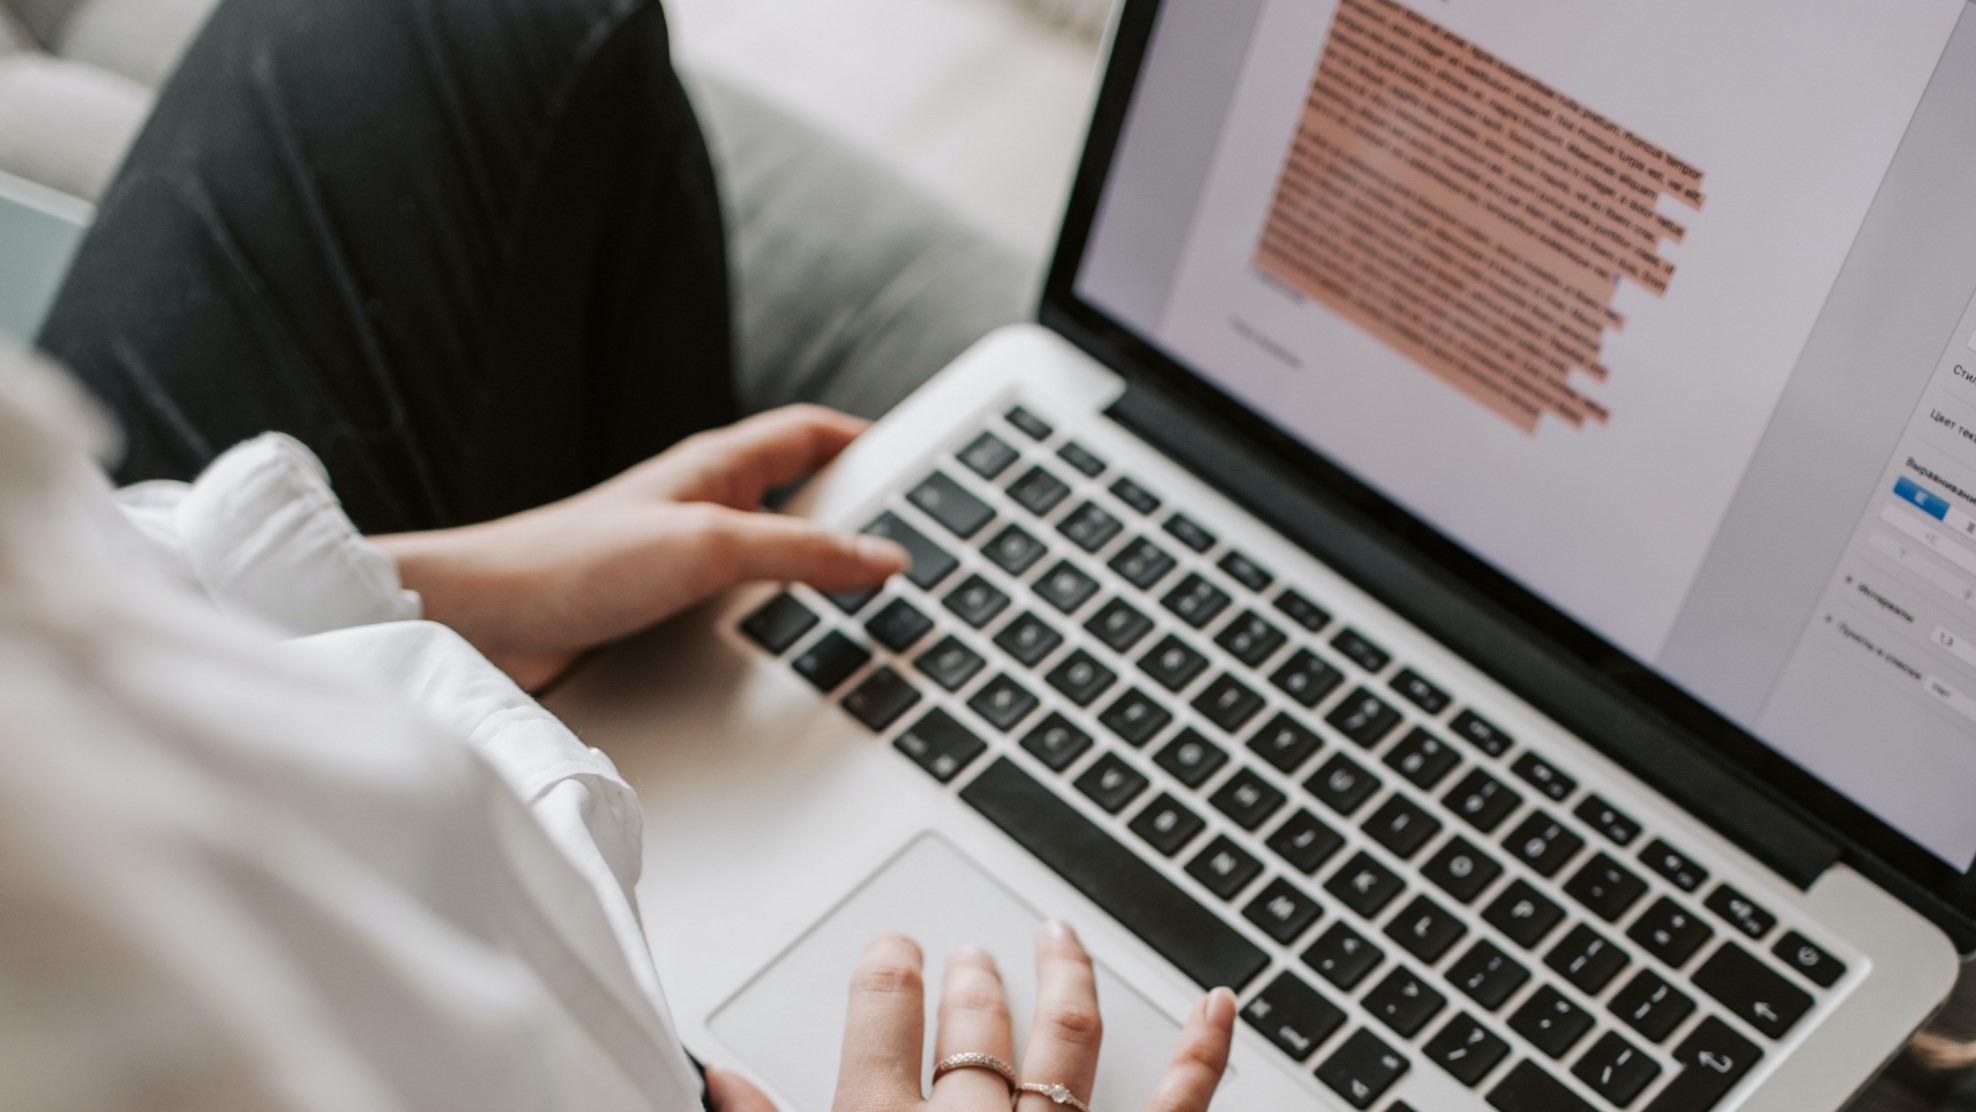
x=468 y=251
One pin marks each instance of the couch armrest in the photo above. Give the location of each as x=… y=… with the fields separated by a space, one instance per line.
x=39 y=232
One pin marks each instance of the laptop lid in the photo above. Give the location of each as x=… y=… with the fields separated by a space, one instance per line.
x=1655 y=323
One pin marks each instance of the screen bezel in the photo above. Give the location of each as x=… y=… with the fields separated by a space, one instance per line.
x=1871 y=845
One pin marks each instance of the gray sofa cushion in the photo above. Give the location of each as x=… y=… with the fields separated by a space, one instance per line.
x=138 y=39
x=65 y=125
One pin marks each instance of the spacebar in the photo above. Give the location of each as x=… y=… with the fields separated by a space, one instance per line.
x=1113 y=877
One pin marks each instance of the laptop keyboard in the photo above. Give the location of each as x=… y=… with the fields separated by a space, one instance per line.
x=1273 y=802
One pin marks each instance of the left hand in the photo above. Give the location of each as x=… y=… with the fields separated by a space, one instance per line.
x=535 y=590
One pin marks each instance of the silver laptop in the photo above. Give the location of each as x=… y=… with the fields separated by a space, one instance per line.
x=1478 y=555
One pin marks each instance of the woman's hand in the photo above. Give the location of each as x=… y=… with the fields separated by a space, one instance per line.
x=884 y=1040
x=535 y=590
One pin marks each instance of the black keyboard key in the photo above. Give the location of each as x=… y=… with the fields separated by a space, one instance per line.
x=1083 y=459
x=1292 y=1015
x=1605 y=887
x=1752 y=991
x=1089 y=527
x=1365 y=886
x=1003 y=703
x=1618 y=827
x=1423 y=759
x=1196 y=601
x=1303 y=611
x=1539 y=842
x=950 y=663
x=1424 y=930
x=1651 y=1006
x=1191 y=758
x=1250 y=639
x=1282 y=912
x=1524 y=914
x=1227 y=703
x=1132 y=494
x=1487 y=975
x=1402 y=826
x=830 y=661
x=1527 y=1088
x=1028 y=639
x=1416 y=689
x=881 y=699
x=952 y=505
x=1482 y=801
x=1363 y=717
x=987 y=455
x=851 y=602
x=1801 y=955
x=1247 y=799
x=930 y=562
x=1404 y=1002
x=1362 y=1069
x=1135 y=718
x=1246 y=572
x=1481 y=733
x=1014 y=550
x=1467 y=1050
x=1184 y=529
x=1740 y=911
x=1065 y=587
x=1461 y=870
x=1587 y=960
x=1307 y=678
x=976 y=601
x=1142 y=563
x=1056 y=742
x=1172 y=663
x=1542 y=775
x=1224 y=867
x=1667 y=931
x=1081 y=678
x=1111 y=783
x=1362 y=651
x=1674 y=865
x=898 y=625
x=1117 y=879
x=1038 y=491
x=1552 y=1023
x=1712 y=1059
x=1031 y=425
x=940 y=745
x=1616 y=1070
x=779 y=623
x=1118 y=625
x=1343 y=957
x=1167 y=825
x=1304 y=842
x=1341 y=784
x=1284 y=743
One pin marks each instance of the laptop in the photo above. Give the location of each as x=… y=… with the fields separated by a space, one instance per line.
x=1477 y=554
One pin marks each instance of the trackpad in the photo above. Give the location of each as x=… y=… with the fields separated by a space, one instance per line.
x=788 y=1022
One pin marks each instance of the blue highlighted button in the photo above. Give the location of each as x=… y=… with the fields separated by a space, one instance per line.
x=1928 y=502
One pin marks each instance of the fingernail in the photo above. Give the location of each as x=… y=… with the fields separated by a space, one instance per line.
x=971 y=953
x=1060 y=930
x=1221 y=1007
x=878 y=550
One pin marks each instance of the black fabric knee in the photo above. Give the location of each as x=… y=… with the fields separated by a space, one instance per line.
x=469 y=251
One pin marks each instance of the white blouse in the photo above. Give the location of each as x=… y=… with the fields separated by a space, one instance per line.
x=268 y=841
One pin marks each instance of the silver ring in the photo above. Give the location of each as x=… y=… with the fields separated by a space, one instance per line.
x=1057 y=1093
x=975 y=1060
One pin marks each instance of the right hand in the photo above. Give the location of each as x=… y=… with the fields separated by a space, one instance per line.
x=885 y=1038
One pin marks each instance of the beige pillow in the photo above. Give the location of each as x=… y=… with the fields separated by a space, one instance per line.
x=138 y=39
x=66 y=126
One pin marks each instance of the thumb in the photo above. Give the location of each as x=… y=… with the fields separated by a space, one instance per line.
x=730 y=1092
x=768 y=546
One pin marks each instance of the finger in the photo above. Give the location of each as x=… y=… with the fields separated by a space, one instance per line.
x=974 y=1016
x=730 y=1092
x=1201 y=1058
x=738 y=465
x=886 y=1029
x=755 y=546
x=1064 y=1038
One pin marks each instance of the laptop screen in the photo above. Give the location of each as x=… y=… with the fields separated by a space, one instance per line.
x=1662 y=310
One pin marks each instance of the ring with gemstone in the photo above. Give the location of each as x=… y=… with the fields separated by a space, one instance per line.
x=1057 y=1093
x=975 y=1060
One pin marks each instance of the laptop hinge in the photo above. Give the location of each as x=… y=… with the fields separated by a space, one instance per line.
x=1484 y=633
